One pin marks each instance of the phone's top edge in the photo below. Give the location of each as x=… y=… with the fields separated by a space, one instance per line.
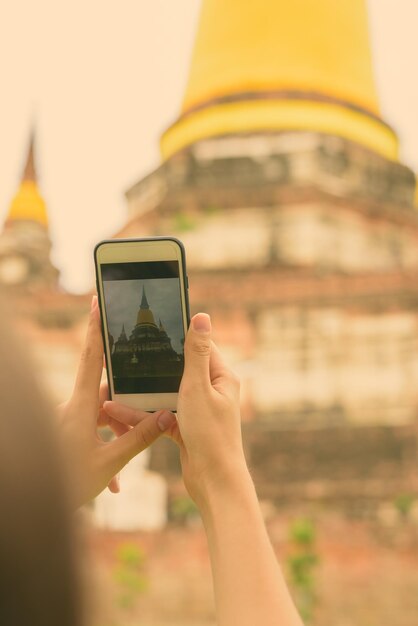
x=138 y=239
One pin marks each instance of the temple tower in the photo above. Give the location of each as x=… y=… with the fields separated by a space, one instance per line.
x=284 y=183
x=25 y=244
x=49 y=320
x=274 y=66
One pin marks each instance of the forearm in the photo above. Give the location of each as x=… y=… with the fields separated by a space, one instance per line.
x=248 y=583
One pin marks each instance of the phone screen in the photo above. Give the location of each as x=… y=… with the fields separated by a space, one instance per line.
x=145 y=325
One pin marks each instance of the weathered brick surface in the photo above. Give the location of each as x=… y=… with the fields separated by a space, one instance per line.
x=346 y=464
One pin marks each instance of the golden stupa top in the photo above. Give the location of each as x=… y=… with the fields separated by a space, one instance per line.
x=28 y=203
x=281 y=64
x=145 y=315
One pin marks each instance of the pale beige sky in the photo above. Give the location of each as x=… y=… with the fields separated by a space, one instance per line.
x=104 y=79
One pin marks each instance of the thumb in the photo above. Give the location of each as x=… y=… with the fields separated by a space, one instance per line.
x=197 y=349
x=124 y=448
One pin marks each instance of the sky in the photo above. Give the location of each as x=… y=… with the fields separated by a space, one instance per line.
x=102 y=80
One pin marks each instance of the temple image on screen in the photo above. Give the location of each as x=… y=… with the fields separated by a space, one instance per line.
x=147 y=352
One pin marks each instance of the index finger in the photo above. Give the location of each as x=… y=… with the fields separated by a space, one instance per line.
x=126 y=414
x=90 y=369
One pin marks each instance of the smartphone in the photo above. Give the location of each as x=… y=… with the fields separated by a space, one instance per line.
x=142 y=287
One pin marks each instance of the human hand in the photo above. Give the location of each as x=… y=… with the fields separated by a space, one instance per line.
x=208 y=427
x=94 y=463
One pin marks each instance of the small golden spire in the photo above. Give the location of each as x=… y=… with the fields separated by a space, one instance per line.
x=29 y=173
x=28 y=204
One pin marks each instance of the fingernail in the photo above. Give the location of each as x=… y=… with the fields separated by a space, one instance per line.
x=165 y=420
x=93 y=304
x=94 y=309
x=201 y=323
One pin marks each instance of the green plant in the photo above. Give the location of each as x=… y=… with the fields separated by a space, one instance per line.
x=302 y=566
x=211 y=209
x=302 y=532
x=183 y=509
x=403 y=504
x=129 y=574
x=302 y=563
x=184 y=221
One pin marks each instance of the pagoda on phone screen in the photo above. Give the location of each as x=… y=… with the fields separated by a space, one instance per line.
x=148 y=351
x=284 y=182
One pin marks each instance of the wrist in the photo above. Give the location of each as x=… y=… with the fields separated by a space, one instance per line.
x=231 y=481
